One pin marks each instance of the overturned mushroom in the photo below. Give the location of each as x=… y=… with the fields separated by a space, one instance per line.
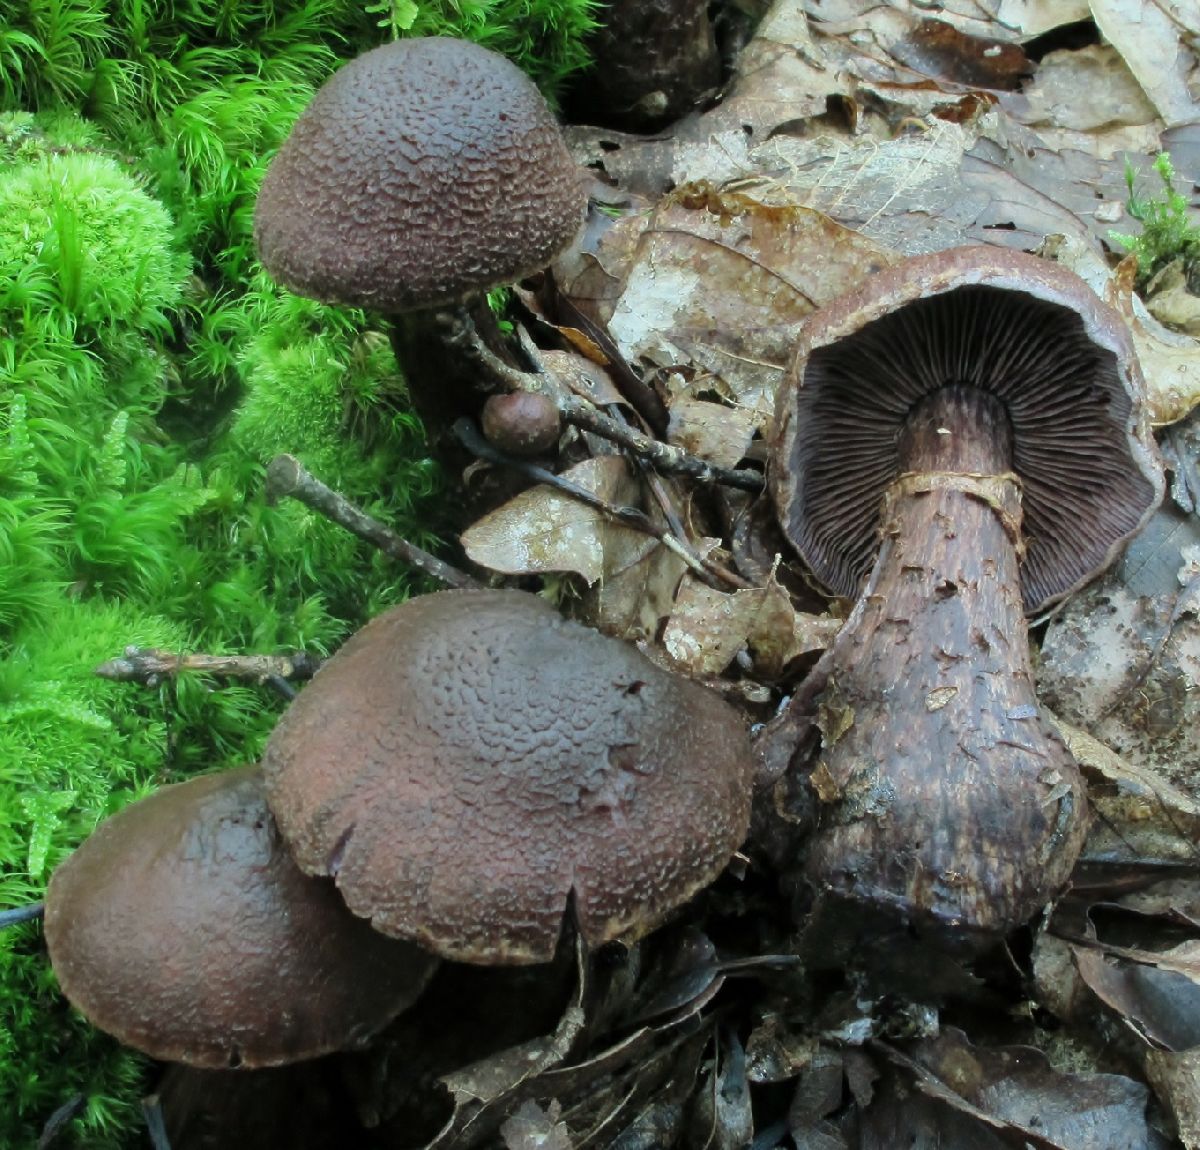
x=182 y=927
x=977 y=411
x=423 y=173
x=471 y=760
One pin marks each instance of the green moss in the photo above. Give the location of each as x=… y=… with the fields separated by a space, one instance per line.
x=107 y=246
x=73 y=748
x=148 y=373
x=1167 y=231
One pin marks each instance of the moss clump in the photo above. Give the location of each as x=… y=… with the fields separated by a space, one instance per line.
x=148 y=373
x=1167 y=232
x=104 y=246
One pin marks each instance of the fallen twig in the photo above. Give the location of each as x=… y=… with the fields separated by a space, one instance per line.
x=664 y=456
x=148 y=665
x=287 y=477
x=471 y=438
x=19 y=914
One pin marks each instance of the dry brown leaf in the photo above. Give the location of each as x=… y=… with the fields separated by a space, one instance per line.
x=713 y=431
x=1170 y=361
x=639 y=585
x=543 y=529
x=721 y=283
x=707 y=629
x=1171 y=303
x=1125 y=668
x=1014 y=1090
x=532 y=1128
x=1114 y=96
x=1139 y=814
x=1033 y=17
x=584 y=378
x=1175 y=1076
x=784 y=73
x=1147 y=33
x=1161 y=1005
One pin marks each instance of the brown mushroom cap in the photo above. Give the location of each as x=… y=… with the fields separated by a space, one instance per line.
x=1028 y=331
x=470 y=758
x=521 y=422
x=182 y=927
x=423 y=170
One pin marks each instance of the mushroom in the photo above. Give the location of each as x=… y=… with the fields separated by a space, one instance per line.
x=422 y=174
x=964 y=432
x=521 y=422
x=470 y=761
x=182 y=927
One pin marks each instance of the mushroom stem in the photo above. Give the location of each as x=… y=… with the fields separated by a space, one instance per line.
x=443 y=383
x=946 y=797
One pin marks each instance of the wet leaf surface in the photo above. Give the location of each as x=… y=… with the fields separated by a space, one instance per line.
x=545 y=530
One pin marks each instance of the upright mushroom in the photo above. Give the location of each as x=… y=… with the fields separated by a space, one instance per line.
x=964 y=432
x=471 y=760
x=423 y=173
x=182 y=927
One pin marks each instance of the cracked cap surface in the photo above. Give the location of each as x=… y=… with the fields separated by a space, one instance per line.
x=470 y=759
x=183 y=928
x=422 y=171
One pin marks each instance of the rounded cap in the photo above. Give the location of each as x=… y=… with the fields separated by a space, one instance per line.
x=470 y=759
x=182 y=927
x=422 y=171
x=1026 y=330
x=521 y=422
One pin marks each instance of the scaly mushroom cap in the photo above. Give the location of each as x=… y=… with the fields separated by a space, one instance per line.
x=1028 y=331
x=423 y=170
x=182 y=927
x=470 y=758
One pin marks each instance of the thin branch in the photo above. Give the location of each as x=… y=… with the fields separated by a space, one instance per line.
x=60 y=1121
x=156 y=1125
x=471 y=438
x=664 y=456
x=19 y=914
x=287 y=476
x=642 y=397
x=149 y=665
